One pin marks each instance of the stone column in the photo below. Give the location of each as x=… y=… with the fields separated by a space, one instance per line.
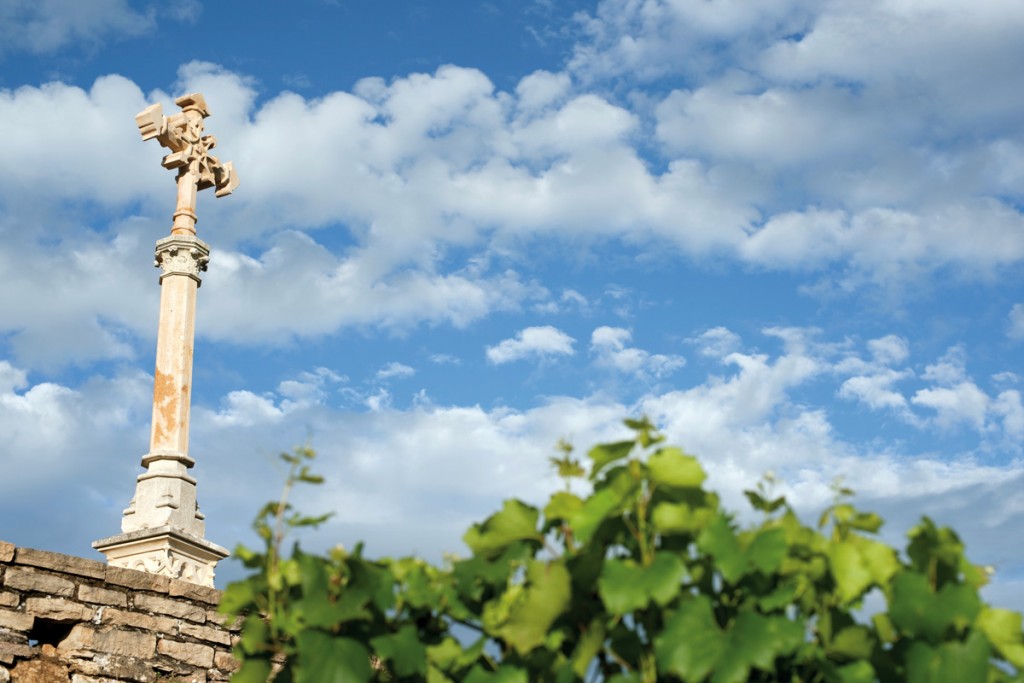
x=163 y=529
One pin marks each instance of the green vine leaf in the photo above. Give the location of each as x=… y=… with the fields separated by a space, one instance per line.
x=671 y=467
x=605 y=454
x=517 y=521
x=545 y=597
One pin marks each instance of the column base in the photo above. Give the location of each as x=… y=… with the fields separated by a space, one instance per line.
x=166 y=551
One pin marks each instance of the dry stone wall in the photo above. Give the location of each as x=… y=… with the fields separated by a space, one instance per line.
x=65 y=619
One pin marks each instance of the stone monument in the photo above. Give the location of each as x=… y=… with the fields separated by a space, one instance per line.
x=162 y=527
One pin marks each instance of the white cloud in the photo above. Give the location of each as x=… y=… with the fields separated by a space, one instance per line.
x=893 y=245
x=570 y=300
x=74 y=144
x=66 y=451
x=609 y=346
x=395 y=370
x=1016 y=330
x=950 y=369
x=543 y=341
x=876 y=389
x=718 y=342
x=433 y=163
x=45 y=25
x=314 y=292
x=889 y=349
x=390 y=469
x=960 y=403
x=541 y=90
x=873 y=382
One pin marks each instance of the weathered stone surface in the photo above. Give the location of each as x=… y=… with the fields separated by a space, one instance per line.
x=193 y=591
x=146 y=622
x=121 y=668
x=6 y=551
x=102 y=596
x=189 y=676
x=207 y=633
x=40 y=671
x=131 y=578
x=5 y=676
x=175 y=608
x=12 y=650
x=122 y=630
x=41 y=582
x=190 y=653
x=16 y=621
x=84 y=638
x=58 y=609
x=228 y=622
x=225 y=662
x=66 y=564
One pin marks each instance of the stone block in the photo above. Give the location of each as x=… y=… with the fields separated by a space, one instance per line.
x=41 y=582
x=131 y=578
x=12 y=650
x=121 y=668
x=40 y=671
x=194 y=591
x=6 y=551
x=207 y=633
x=9 y=599
x=5 y=676
x=102 y=596
x=79 y=678
x=228 y=622
x=182 y=675
x=16 y=621
x=174 y=608
x=145 y=622
x=225 y=662
x=65 y=564
x=190 y=653
x=58 y=609
x=85 y=638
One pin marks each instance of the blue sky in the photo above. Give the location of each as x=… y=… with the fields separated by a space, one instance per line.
x=790 y=232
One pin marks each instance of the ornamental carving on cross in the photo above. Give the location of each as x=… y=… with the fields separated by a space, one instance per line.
x=182 y=134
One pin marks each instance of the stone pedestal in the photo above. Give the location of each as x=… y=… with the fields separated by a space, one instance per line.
x=164 y=550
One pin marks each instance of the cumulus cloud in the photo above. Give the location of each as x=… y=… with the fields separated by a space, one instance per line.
x=960 y=403
x=457 y=462
x=401 y=175
x=876 y=390
x=68 y=450
x=540 y=342
x=609 y=345
x=389 y=469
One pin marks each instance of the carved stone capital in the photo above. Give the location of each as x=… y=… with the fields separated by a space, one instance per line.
x=182 y=255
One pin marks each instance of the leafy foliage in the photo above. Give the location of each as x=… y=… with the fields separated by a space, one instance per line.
x=645 y=579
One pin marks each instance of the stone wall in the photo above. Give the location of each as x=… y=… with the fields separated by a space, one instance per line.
x=65 y=619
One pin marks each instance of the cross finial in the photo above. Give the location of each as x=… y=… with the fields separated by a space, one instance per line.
x=182 y=133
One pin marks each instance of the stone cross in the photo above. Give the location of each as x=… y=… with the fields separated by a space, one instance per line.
x=162 y=528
